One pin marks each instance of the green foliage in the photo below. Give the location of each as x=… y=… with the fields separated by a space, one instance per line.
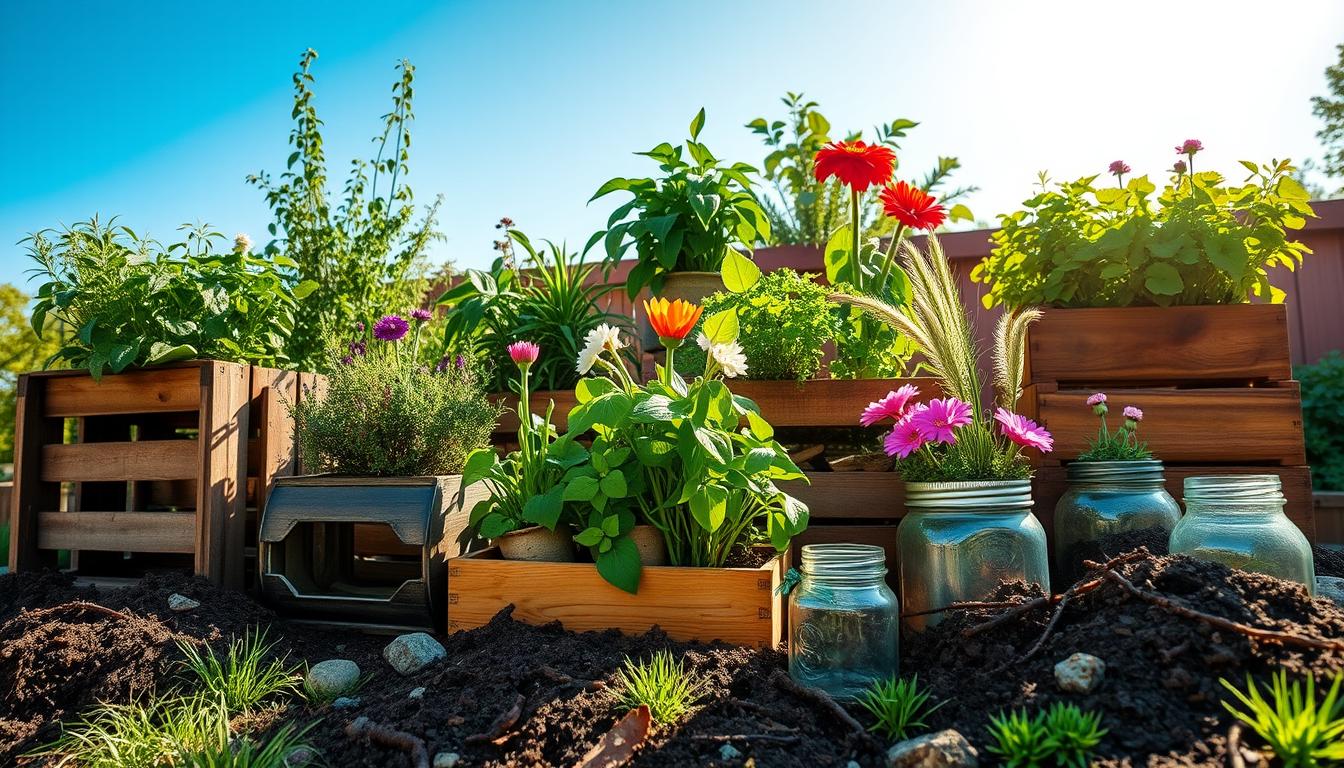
x=548 y=300
x=1323 y=419
x=1302 y=731
x=130 y=302
x=244 y=752
x=23 y=351
x=684 y=221
x=140 y=736
x=1121 y=445
x=662 y=684
x=1201 y=241
x=1073 y=733
x=811 y=210
x=1330 y=109
x=898 y=706
x=387 y=415
x=247 y=675
x=1063 y=732
x=357 y=251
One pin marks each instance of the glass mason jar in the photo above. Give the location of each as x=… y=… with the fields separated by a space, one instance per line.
x=844 y=621
x=1105 y=498
x=1238 y=520
x=959 y=540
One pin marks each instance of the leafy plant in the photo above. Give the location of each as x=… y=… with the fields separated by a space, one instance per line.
x=685 y=220
x=385 y=414
x=1074 y=734
x=1323 y=419
x=1201 y=241
x=550 y=299
x=1302 y=731
x=1122 y=444
x=243 y=752
x=360 y=252
x=1330 y=109
x=246 y=676
x=137 y=735
x=131 y=302
x=24 y=351
x=898 y=706
x=662 y=684
x=811 y=210
x=1020 y=741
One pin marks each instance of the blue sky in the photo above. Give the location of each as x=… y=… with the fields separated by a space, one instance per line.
x=156 y=111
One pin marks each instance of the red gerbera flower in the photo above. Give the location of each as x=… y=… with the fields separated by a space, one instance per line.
x=912 y=206
x=858 y=165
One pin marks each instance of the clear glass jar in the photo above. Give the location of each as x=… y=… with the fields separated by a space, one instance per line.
x=844 y=621
x=1105 y=498
x=959 y=540
x=1238 y=520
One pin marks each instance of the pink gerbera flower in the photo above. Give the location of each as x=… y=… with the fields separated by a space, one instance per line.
x=1023 y=431
x=940 y=416
x=906 y=437
x=893 y=406
x=524 y=352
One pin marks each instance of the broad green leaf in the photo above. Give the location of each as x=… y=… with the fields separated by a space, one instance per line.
x=837 y=256
x=739 y=273
x=709 y=507
x=581 y=489
x=545 y=509
x=592 y=388
x=160 y=352
x=588 y=537
x=304 y=289
x=1163 y=279
x=619 y=564
x=759 y=426
x=478 y=465
x=495 y=525
x=122 y=356
x=1292 y=189
x=697 y=123
x=613 y=484
x=722 y=327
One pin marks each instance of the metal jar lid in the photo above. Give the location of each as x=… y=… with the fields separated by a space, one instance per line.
x=970 y=496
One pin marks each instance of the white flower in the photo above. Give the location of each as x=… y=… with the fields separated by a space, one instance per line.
x=601 y=338
x=703 y=341
x=730 y=357
x=242 y=243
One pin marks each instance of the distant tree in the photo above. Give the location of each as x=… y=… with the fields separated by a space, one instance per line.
x=20 y=351
x=1330 y=109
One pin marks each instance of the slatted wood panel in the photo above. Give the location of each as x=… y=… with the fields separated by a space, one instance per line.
x=735 y=605
x=1329 y=509
x=118 y=531
x=120 y=461
x=822 y=402
x=851 y=495
x=73 y=393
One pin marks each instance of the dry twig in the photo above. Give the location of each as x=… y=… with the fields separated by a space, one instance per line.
x=414 y=746
x=96 y=608
x=817 y=696
x=498 y=731
x=1234 y=758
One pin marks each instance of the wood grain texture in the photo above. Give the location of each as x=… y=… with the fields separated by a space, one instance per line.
x=1160 y=345
x=120 y=461
x=850 y=495
x=1329 y=513
x=1226 y=425
x=221 y=488
x=271 y=450
x=30 y=495
x=148 y=391
x=118 y=531
x=735 y=605
x=563 y=398
x=822 y=402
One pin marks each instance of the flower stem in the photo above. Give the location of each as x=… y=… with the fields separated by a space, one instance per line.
x=896 y=237
x=854 y=230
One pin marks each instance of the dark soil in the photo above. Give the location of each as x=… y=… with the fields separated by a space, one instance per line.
x=1108 y=546
x=1329 y=562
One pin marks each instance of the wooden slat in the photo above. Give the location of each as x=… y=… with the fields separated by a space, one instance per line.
x=1329 y=511
x=736 y=605
x=1160 y=345
x=118 y=531
x=822 y=402
x=120 y=461
x=272 y=452
x=563 y=398
x=221 y=493
x=1231 y=425
x=149 y=391
x=851 y=495
x=30 y=495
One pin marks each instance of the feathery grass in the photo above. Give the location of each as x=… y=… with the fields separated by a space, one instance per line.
x=243 y=752
x=138 y=735
x=665 y=686
x=243 y=678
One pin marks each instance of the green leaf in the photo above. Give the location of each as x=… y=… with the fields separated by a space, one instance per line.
x=1163 y=279
x=611 y=526
x=620 y=565
x=608 y=410
x=495 y=525
x=478 y=465
x=759 y=459
x=544 y=509
x=613 y=484
x=759 y=426
x=588 y=537
x=610 y=186
x=582 y=488
x=960 y=212
x=592 y=388
x=697 y=123
x=160 y=352
x=304 y=289
x=739 y=273
x=123 y=355
x=722 y=327
x=837 y=257
x=1292 y=189
x=709 y=507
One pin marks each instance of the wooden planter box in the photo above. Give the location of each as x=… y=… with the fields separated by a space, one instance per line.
x=163 y=462
x=508 y=421
x=735 y=605
x=1329 y=507
x=822 y=402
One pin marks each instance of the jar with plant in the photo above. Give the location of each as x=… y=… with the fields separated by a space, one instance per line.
x=968 y=483
x=1116 y=497
x=683 y=222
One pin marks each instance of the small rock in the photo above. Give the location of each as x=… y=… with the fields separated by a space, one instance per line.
x=411 y=653
x=182 y=603
x=729 y=752
x=944 y=749
x=346 y=702
x=299 y=757
x=332 y=677
x=447 y=760
x=853 y=764
x=417 y=693
x=1331 y=587
x=1080 y=673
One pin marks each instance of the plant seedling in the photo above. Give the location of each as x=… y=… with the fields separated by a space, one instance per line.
x=1020 y=741
x=1302 y=732
x=1073 y=733
x=662 y=684
x=243 y=678
x=899 y=706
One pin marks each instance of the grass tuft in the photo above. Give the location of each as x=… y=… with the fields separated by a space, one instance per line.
x=898 y=705
x=662 y=684
x=243 y=678
x=1302 y=732
x=1020 y=741
x=138 y=736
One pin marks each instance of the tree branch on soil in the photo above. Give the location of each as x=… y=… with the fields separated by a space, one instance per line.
x=414 y=746
x=96 y=608
x=499 y=730
x=817 y=696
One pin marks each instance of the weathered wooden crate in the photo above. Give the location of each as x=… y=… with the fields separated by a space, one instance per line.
x=822 y=402
x=851 y=507
x=735 y=605
x=162 y=465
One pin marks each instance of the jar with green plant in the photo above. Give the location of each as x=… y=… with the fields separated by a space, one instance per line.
x=1200 y=240
x=130 y=302
x=547 y=297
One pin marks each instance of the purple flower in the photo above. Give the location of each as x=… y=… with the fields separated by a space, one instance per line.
x=347 y=360
x=390 y=328
x=1118 y=168
x=359 y=326
x=1189 y=147
x=358 y=348
x=420 y=315
x=459 y=362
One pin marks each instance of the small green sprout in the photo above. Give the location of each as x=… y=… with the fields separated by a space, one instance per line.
x=243 y=678
x=661 y=684
x=899 y=706
x=1302 y=732
x=1073 y=733
x=1020 y=741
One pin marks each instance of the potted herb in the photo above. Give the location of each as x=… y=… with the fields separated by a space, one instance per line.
x=1115 y=488
x=681 y=223
x=967 y=479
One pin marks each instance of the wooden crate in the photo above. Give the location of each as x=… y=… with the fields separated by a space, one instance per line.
x=508 y=421
x=160 y=466
x=735 y=605
x=851 y=507
x=822 y=402
x=1329 y=508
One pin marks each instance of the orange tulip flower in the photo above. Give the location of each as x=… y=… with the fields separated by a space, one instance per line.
x=672 y=320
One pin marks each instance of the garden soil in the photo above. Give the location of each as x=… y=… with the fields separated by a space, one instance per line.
x=512 y=694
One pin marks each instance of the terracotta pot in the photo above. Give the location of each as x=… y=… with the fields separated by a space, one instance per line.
x=538 y=544
x=649 y=541
x=688 y=286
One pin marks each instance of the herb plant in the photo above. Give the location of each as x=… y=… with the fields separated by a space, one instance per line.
x=662 y=684
x=386 y=414
x=361 y=249
x=898 y=706
x=1020 y=741
x=1302 y=731
x=129 y=301
x=246 y=676
x=1202 y=240
x=549 y=300
x=1122 y=444
x=1074 y=734
x=685 y=220
x=1323 y=419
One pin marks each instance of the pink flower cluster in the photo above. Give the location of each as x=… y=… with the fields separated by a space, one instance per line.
x=935 y=422
x=1098 y=402
x=524 y=352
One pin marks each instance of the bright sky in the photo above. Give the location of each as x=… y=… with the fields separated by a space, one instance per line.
x=156 y=111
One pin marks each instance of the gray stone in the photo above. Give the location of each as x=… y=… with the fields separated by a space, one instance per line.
x=944 y=749
x=1330 y=587
x=417 y=693
x=447 y=760
x=729 y=752
x=332 y=677
x=1080 y=673
x=853 y=764
x=411 y=653
x=346 y=702
x=300 y=757
x=182 y=603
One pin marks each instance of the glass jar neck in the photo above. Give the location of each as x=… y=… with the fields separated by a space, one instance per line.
x=971 y=497
x=1251 y=495
x=1139 y=475
x=844 y=565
